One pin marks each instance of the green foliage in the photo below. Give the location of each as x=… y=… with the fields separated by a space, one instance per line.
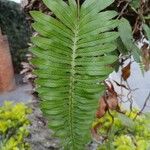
x=125 y=32
x=13 y=23
x=135 y=4
x=134 y=23
x=72 y=56
x=126 y=132
x=147 y=31
x=13 y=126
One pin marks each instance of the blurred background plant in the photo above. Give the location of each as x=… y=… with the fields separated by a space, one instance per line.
x=13 y=126
x=128 y=131
x=13 y=23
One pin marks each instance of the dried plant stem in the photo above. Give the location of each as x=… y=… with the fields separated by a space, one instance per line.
x=122 y=11
x=145 y=103
x=110 y=116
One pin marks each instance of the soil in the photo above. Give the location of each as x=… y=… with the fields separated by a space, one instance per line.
x=40 y=136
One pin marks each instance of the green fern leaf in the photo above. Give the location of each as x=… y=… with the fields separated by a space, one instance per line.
x=72 y=56
x=125 y=32
x=147 y=31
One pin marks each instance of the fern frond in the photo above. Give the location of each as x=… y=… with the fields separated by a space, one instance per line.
x=73 y=53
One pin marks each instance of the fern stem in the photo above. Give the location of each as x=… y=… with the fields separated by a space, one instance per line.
x=72 y=85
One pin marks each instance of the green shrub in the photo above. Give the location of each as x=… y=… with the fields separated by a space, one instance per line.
x=13 y=126
x=126 y=133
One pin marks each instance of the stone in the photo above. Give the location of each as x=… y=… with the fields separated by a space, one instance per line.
x=7 y=80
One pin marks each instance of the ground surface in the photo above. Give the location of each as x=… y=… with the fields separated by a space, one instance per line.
x=22 y=92
x=40 y=136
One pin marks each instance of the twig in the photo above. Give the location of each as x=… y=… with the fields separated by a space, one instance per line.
x=119 y=3
x=145 y=103
x=110 y=116
x=136 y=25
x=122 y=11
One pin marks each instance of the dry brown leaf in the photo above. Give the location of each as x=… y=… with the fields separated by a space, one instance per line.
x=108 y=101
x=126 y=71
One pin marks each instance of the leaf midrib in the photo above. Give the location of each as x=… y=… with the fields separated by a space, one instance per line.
x=72 y=84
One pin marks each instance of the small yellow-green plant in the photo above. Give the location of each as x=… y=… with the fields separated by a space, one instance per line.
x=13 y=126
x=128 y=131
